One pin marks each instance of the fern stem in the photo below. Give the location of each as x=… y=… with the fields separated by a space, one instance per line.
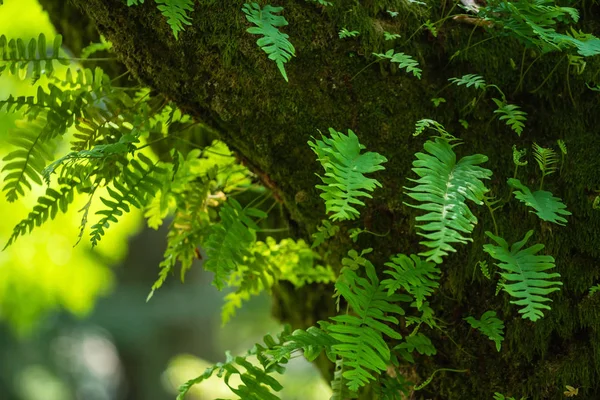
x=359 y=72
x=428 y=380
x=549 y=75
x=525 y=74
x=569 y=85
x=489 y=207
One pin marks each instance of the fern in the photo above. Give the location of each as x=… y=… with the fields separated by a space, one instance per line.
x=230 y=240
x=19 y=58
x=419 y=278
x=273 y=42
x=489 y=325
x=338 y=385
x=547 y=160
x=361 y=335
x=518 y=155
x=344 y=168
x=345 y=33
x=484 y=268
x=524 y=272
x=324 y=232
x=47 y=207
x=27 y=162
x=176 y=12
x=323 y=3
x=92 y=48
x=546 y=206
x=443 y=187
x=404 y=61
x=513 y=116
x=419 y=342
x=135 y=187
x=594 y=289
x=426 y=123
x=469 y=80
x=257 y=381
x=390 y=36
x=500 y=396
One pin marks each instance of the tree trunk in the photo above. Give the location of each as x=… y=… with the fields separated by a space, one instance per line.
x=217 y=73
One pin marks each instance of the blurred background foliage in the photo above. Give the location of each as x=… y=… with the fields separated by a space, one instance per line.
x=74 y=322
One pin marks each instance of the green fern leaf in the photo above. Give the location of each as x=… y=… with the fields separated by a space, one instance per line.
x=524 y=272
x=25 y=164
x=594 y=289
x=273 y=42
x=344 y=168
x=230 y=240
x=404 y=61
x=513 y=116
x=484 y=268
x=324 y=232
x=419 y=278
x=547 y=159
x=443 y=187
x=92 y=48
x=518 y=155
x=176 y=12
x=136 y=186
x=469 y=80
x=419 y=342
x=338 y=385
x=426 y=123
x=490 y=326
x=546 y=206
x=32 y=60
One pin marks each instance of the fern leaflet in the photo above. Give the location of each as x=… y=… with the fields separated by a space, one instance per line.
x=419 y=342
x=524 y=272
x=324 y=232
x=469 y=80
x=546 y=206
x=19 y=58
x=273 y=42
x=419 y=278
x=404 y=61
x=489 y=325
x=547 y=160
x=443 y=187
x=513 y=116
x=344 y=168
x=345 y=33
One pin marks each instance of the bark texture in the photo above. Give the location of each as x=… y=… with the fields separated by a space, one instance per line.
x=216 y=72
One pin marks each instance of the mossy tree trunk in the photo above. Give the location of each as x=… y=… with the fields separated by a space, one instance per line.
x=216 y=72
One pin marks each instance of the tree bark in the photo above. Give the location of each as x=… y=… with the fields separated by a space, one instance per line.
x=217 y=73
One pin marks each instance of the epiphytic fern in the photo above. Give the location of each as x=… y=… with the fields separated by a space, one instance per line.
x=257 y=381
x=443 y=187
x=518 y=155
x=469 y=80
x=273 y=42
x=92 y=48
x=20 y=58
x=512 y=115
x=547 y=160
x=419 y=342
x=418 y=277
x=339 y=388
x=525 y=274
x=427 y=123
x=546 y=206
x=324 y=232
x=176 y=12
x=230 y=240
x=27 y=162
x=490 y=325
x=135 y=187
x=345 y=33
x=269 y=263
x=404 y=61
x=361 y=334
x=344 y=168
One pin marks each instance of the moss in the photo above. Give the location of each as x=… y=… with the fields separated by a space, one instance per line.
x=217 y=73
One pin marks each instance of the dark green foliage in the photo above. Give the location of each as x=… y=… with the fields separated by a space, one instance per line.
x=525 y=274
x=546 y=206
x=489 y=325
x=443 y=187
x=176 y=12
x=513 y=116
x=344 y=168
x=419 y=342
x=274 y=43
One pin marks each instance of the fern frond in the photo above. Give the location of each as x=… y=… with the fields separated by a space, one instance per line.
x=443 y=187
x=324 y=232
x=484 y=268
x=594 y=289
x=546 y=206
x=323 y=3
x=230 y=240
x=137 y=184
x=257 y=381
x=25 y=164
x=419 y=278
x=345 y=33
x=524 y=272
x=312 y=342
x=274 y=43
x=469 y=80
x=19 y=58
x=490 y=325
x=518 y=155
x=338 y=385
x=344 y=168
x=92 y=48
x=361 y=334
x=513 y=116
x=47 y=207
x=176 y=12
x=547 y=159
x=426 y=123
x=404 y=61
x=419 y=342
